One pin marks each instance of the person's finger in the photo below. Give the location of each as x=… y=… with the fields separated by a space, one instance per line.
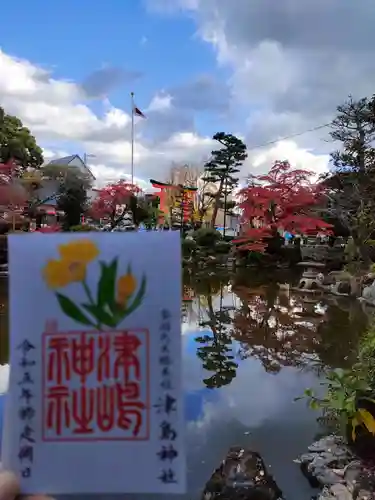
x=9 y=486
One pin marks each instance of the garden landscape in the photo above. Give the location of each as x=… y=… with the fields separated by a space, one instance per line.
x=243 y=134
x=278 y=299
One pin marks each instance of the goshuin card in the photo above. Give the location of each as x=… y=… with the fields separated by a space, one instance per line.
x=95 y=401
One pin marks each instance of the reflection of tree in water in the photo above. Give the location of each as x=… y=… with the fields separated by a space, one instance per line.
x=217 y=353
x=215 y=349
x=340 y=332
x=282 y=328
x=276 y=327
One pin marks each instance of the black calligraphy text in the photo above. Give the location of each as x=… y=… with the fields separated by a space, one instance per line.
x=26 y=411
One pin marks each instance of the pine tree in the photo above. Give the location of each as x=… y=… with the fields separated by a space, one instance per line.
x=351 y=191
x=223 y=166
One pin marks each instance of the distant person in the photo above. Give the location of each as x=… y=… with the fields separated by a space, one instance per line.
x=287 y=237
x=331 y=240
x=297 y=240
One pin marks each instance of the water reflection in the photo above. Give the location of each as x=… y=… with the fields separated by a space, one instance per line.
x=215 y=348
x=254 y=344
x=275 y=327
x=255 y=318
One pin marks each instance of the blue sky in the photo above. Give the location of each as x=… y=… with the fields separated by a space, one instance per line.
x=94 y=54
x=75 y=39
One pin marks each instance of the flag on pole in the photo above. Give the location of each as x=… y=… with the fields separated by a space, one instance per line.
x=135 y=112
x=138 y=112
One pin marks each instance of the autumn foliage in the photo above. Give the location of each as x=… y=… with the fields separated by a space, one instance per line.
x=12 y=193
x=110 y=198
x=283 y=199
x=56 y=228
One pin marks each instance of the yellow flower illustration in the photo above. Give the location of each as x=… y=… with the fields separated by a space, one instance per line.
x=105 y=305
x=126 y=286
x=55 y=275
x=79 y=251
x=71 y=267
x=60 y=273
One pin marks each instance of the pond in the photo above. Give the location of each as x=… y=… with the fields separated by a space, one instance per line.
x=249 y=349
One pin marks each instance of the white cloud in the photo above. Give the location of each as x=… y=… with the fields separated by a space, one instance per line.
x=55 y=112
x=286 y=74
x=50 y=154
x=63 y=122
x=160 y=102
x=271 y=394
x=116 y=117
x=298 y=157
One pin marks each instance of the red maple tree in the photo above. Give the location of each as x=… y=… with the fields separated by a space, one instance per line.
x=282 y=199
x=12 y=193
x=56 y=228
x=109 y=202
x=13 y=197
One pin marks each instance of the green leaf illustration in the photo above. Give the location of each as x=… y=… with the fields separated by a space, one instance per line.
x=70 y=309
x=102 y=316
x=138 y=298
x=107 y=284
x=118 y=312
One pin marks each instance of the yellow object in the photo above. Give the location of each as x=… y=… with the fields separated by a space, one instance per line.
x=126 y=286
x=362 y=418
x=82 y=251
x=368 y=420
x=71 y=267
x=54 y=274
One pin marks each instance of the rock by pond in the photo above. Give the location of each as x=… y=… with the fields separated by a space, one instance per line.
x=242 y=475
x=331 y=466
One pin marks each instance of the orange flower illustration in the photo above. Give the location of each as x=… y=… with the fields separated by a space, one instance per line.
x=126 y=286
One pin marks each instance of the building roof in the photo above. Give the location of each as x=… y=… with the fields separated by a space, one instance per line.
x=66 y=160
x=63 y=161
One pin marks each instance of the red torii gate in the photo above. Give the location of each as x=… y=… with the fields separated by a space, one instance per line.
x=187 y=198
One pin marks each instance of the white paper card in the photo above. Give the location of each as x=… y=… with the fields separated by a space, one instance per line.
x=95 y=401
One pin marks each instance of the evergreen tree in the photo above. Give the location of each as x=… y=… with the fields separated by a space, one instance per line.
x=222 y=168
x=17 y=143
x=351 y=191
x=72 y=201
x=72 y=196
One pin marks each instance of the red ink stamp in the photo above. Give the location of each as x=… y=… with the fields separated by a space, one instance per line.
x=96 y=386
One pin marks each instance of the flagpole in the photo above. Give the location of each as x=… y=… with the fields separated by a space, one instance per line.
x=132 y=137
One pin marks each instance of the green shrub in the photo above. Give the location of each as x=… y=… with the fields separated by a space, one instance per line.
x=222 y=247
x=188 y=247
x=83 y=228
x=346 y=391
x=207 y=237
x=367 y=354
x=349 y=401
